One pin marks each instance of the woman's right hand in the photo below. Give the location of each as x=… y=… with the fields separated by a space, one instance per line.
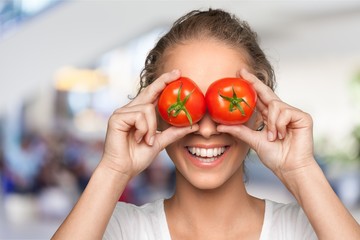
x=132 y=141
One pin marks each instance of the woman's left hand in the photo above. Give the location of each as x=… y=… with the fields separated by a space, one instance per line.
x=286 y=142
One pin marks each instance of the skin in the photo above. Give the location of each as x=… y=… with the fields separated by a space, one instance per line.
x=209 y=186
x=210 y=201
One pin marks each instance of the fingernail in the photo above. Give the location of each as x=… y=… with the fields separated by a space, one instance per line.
x=280 y=136
x=243 y=71
x=151 y=140
x=175 y=71
x=270 y=136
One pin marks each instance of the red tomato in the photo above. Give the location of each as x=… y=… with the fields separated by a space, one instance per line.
x=230 y=101
x=182 y=103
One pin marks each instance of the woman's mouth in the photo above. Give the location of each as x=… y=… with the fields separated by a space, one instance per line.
x=206 y=155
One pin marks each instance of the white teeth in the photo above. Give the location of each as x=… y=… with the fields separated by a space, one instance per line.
x=215 y=152
x=197 y=151
x=206 y=152
x=203 y=152
x=209 y=152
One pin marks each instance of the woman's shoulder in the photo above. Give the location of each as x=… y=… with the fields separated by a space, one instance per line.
x=147 y=209
x=287 y=220
x=283 y=209
x=138 y=216
x=285 y=213
x=130 y=221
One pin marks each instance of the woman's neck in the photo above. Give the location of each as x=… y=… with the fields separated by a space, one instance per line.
x=219 y=209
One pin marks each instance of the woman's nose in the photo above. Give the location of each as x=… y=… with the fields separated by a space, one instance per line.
x=207 y=127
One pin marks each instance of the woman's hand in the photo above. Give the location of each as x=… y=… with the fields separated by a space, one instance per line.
x=132 y=141
x=285 y=146
x=286 y=143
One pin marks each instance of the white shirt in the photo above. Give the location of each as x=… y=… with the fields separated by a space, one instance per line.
x=148 y=222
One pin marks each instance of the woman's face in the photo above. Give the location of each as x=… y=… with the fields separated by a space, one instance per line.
x=206 y=158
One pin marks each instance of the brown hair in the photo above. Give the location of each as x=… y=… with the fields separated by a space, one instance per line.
x=216 y=24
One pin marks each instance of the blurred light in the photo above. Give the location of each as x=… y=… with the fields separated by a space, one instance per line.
x=88 y=121
x=355 y=87
x=82 y=80
x=35 y=6
x=15 y=12
x=78 y=101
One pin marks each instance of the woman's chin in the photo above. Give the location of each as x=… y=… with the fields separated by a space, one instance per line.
x=205 y=181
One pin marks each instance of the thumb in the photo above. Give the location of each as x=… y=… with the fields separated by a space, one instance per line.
x=173 y=134
x=243 y=133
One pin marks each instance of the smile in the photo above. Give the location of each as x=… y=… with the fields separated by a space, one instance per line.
x=206 y=155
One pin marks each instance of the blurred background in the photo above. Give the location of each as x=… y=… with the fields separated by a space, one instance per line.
x=66 y=65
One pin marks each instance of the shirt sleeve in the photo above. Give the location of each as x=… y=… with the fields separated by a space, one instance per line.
x=290 y=222
x=145 y=222
x=120 y=224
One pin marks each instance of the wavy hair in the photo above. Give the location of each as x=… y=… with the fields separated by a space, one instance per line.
x=216 y=24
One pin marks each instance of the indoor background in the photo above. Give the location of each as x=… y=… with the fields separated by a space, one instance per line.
x=65 y=66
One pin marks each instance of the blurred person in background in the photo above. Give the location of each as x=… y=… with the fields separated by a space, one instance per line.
x=210 y=200
x=23 y=164
x=155 y=181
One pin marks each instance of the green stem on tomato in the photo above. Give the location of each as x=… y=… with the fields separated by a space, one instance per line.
x=235 y=102
x=175 y=109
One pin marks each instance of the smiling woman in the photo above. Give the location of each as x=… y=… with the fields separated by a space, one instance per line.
x=210 y=199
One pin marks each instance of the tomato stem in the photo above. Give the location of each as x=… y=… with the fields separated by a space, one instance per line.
x=235 y=102
x=175 y=109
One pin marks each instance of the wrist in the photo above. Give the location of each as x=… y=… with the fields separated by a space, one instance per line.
x=121 y=169
x=113 y=170
x=304 y=180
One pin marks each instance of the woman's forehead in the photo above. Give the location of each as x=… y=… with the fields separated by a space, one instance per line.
x=204 y=61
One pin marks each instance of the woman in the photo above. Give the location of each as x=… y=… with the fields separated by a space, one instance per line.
x=210 y=200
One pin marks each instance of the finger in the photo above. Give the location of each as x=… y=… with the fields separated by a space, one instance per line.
x=149 y=114
x=292 y=118
x=282 y=122
x=151 y=92
x=141 y=126
x=279 y=117
x=264 y=92
x=274 y=110
x=243 y=133
x=267 y=102
x=173 y=134
x=125 y=121
x=262 y=108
